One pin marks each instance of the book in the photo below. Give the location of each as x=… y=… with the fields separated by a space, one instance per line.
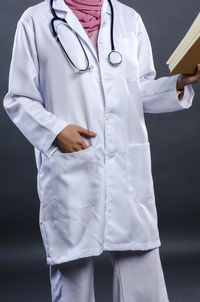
x=186 y=57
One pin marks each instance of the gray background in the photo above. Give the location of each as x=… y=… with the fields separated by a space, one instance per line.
x=175 y=148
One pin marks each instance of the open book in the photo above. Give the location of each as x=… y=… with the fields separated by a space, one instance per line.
x=186 y=56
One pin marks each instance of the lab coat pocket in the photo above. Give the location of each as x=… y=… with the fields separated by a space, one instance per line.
x=128 y=48
x=139 y=173
x=71 y=179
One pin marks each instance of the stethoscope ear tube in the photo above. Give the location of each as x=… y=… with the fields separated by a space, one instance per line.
x=56 y=18
x=52 y=27
x=111 y=27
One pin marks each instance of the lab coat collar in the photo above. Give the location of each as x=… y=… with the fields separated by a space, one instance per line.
x=62 y=6
x=63 y=10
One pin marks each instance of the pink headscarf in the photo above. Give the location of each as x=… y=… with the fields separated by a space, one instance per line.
x=88 y=12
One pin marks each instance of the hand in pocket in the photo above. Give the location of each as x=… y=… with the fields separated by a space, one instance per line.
x=70 y=139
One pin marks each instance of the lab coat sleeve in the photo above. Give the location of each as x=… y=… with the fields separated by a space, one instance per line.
x=158 y=95
x=23 y=102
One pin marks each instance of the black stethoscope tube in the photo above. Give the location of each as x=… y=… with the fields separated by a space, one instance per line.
x=113 y=51
x=112 y=26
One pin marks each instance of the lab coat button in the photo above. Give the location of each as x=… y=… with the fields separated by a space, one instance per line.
x=98 y=79
x=111 y=154
x=109 y=116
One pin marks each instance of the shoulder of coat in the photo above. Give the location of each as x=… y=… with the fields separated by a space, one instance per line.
x=34 y=11
x=128 y=11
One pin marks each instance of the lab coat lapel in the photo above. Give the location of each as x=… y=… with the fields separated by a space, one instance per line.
x=63 y=11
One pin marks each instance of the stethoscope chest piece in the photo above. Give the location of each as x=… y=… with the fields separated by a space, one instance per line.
x=114 y=58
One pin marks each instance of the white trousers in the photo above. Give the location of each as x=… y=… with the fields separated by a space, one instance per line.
x=137 y=277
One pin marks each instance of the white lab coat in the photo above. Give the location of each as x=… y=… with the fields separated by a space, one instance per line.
x=102 y=197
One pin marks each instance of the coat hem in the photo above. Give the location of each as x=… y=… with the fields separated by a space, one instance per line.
x=133 y=246
x=108 y=247
x=73 y=256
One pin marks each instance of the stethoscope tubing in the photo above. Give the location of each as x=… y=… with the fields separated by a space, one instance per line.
x=112 y=26
x=56 y=18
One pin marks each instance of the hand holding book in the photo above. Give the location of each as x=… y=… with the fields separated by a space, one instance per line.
x=185 y=79
x=185 y=60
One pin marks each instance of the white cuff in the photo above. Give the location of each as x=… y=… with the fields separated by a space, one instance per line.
x=48 y=146
x=186 y=101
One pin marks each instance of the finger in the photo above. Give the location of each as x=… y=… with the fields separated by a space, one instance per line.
x=86 y=131
x=196 y=77
x=80 y=146
x=75 y=149
x=198 y=72
x=83 y=145
x=191 y=79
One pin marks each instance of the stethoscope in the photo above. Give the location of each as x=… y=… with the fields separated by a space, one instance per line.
x=114 y=57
